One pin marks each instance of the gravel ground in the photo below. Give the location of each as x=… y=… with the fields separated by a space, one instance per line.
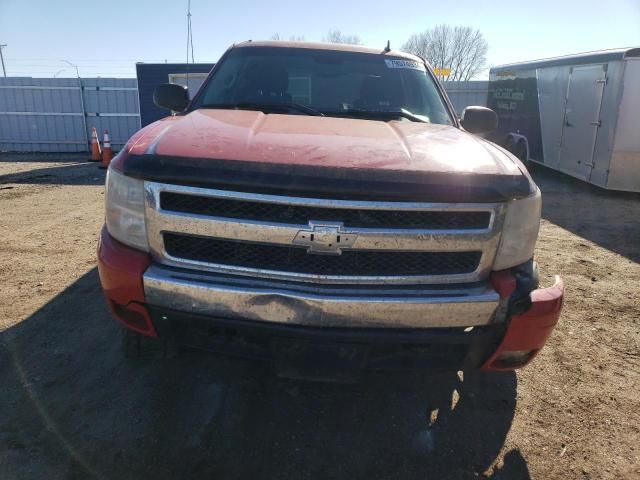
x=72 y=407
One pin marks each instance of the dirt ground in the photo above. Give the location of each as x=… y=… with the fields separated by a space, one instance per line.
x=72 y=408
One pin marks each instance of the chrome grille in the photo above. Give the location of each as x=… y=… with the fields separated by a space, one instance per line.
x=301 y=214
x=267 y=236
x=296 y=259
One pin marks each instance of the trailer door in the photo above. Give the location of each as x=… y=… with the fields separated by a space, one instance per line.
x=581 y=119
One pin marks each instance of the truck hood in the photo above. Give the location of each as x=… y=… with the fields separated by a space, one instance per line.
x=301 y=154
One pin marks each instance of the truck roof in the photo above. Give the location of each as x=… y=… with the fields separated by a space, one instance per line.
x=598 y=56
x=325 y=46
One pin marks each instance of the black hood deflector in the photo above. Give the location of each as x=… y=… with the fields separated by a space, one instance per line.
x=332 y=183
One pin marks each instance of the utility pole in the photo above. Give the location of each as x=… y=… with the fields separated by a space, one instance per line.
x=4 y=71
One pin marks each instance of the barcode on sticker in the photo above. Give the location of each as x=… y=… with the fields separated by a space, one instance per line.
x=411 y=64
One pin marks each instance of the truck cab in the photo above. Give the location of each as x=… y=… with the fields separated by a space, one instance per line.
x=321 y=207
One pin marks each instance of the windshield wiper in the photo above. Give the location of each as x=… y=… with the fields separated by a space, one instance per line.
x=414 y=117
x=265 y=107
x=384 y=113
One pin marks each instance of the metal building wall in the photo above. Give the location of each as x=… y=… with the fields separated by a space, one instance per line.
x=464 y=94
x=56 y=114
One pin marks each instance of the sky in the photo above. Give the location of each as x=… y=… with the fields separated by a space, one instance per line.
x=106 y=38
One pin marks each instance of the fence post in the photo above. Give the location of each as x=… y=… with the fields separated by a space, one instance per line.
x=84 y=115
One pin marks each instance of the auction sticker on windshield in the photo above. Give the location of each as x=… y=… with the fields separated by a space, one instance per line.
x=410 y=64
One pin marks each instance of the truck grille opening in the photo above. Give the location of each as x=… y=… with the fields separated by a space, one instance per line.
x=296 y=259
x=301 y=214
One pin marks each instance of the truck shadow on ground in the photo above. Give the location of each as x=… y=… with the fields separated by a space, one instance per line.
x=44 y=157
x=604 y=217
x=73 y=407
x=72 y=173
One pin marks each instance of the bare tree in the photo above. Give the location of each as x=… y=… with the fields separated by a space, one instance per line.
x=336 y=36
x=462 y=50
x=292 y=38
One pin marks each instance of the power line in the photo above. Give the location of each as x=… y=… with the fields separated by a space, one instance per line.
x=57 y=65
x=75 y=60
x=48 y=72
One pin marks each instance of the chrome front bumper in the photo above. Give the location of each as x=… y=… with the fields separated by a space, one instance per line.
x=292 y=303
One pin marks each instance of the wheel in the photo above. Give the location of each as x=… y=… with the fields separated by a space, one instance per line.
x=520 y=151
x=136 y=346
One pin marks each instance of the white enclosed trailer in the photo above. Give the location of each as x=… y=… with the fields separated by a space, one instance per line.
x=578 y=114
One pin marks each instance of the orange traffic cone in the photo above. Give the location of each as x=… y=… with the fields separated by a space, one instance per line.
x=107 y=153
x=95 y=146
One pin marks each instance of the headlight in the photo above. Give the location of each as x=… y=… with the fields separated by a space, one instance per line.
x=124 y=197
x=520 y=231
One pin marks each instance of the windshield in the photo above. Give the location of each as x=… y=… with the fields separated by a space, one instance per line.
x=325 y=82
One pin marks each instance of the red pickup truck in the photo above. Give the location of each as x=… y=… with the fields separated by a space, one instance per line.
x=322 y=207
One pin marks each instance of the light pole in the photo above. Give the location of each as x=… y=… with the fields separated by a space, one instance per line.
x=84 y=112
x=55 y=75
x=74 y=66
x=4 y=71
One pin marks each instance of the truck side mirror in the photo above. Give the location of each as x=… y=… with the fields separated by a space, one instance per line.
x=171 y=96
x=479 y=120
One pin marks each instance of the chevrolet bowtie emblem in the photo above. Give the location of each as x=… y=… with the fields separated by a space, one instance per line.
x=325 y=238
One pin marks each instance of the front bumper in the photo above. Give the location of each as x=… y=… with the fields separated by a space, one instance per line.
x=297 y=303
x=444 y=326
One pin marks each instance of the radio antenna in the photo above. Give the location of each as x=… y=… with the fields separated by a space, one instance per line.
x=189 y=39
x=189 y=33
